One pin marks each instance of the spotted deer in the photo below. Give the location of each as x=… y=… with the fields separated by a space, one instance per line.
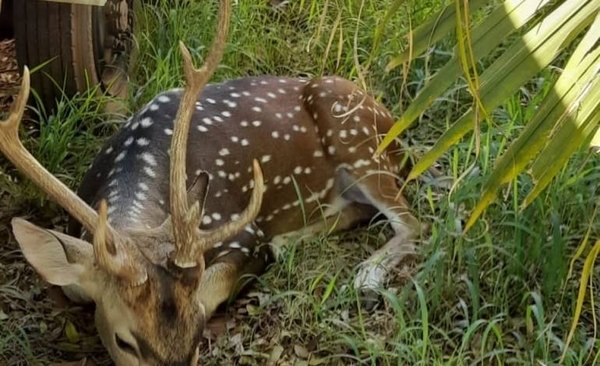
x=196 y=189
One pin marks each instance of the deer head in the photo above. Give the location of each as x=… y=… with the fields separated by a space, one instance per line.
x=147 y=313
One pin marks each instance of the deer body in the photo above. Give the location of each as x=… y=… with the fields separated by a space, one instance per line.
x=188 y=196
x=294 y=140
x=313 y=138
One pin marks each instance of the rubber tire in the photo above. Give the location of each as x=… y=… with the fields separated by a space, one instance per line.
x=6 y=20
x=62 y=36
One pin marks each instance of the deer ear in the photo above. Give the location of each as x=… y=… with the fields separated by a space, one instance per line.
x=60 y=259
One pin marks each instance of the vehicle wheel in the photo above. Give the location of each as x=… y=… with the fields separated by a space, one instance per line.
x=6 y=21
x=75 y=46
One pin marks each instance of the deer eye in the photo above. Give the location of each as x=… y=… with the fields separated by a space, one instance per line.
x=125 y=346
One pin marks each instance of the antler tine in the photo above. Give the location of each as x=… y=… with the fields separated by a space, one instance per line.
x=185 y=220
x=209 y=238
x=117 y=262
x=13 y=149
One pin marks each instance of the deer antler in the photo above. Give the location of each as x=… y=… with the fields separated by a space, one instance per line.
x=189 y=242
x=120 y=262
x=13 y=149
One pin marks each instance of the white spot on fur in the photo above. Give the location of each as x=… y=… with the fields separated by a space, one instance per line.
x=148 y=158
x=142 y=141
x=146 y=122
x=121 y=156
x=150 y=172
x=361 y=162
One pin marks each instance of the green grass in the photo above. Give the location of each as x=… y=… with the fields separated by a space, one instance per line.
x=498 y=295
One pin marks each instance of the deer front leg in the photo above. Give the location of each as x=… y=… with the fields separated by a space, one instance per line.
x=381 y=191
x=228 y=263
x=217 y=284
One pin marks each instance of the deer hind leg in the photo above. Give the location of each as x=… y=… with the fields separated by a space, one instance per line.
x=346 y=215
x=381 y=191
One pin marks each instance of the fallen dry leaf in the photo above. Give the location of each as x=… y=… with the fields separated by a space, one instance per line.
x=216 y=327
x=275 y=355
x=301 y=351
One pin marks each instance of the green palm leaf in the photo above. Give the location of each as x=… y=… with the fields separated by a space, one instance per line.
x=523 y=59
x=555 y=121
x=503 y=21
